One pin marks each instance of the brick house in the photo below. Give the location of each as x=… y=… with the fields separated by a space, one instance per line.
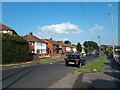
x=51 y=46
x=5 y=29
x=68 y=47
x=63 y=46
x=37 y=46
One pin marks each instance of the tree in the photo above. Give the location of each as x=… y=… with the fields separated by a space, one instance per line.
x=86 y=50
x=67 y=42
x=79 y=48
x=91 y=45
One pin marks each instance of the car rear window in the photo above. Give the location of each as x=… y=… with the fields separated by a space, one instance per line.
x=73 y=56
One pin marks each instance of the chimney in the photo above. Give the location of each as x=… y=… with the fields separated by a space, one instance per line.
x=50 y=38
x=30 y=33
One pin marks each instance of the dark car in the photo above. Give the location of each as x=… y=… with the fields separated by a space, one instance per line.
x=97 y=53
x=75 y=59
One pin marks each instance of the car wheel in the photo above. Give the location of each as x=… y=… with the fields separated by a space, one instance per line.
x=66 y=64
x=84 y=63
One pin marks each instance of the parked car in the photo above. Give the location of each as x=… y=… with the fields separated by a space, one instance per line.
x=75 y=59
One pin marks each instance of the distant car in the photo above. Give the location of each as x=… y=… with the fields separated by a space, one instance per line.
x=75 y=59
x=97 y=53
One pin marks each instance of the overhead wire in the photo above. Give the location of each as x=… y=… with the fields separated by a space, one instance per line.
x=84 y=11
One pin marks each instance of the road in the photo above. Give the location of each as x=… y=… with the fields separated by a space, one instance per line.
x=37 y=76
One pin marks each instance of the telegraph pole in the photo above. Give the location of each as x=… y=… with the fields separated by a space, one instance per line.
x=111 y=16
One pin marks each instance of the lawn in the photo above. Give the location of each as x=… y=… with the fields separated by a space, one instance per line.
x=95 y=66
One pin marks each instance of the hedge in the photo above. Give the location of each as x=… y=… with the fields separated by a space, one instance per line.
x=14 y=49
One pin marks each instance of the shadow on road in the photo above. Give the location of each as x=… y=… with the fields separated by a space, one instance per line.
x=30 y=69
x=97 y=84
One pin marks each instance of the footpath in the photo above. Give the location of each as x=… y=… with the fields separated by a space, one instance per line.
x=110 y=78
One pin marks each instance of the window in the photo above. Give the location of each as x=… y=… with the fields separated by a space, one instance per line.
x=4 y=31
x=31 y=43
x=38 y=51
x=38 y=43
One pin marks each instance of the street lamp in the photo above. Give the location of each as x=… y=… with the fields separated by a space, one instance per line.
x=99 y=40
x=110 y=14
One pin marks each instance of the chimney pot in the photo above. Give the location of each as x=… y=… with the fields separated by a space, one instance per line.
x=30 y=33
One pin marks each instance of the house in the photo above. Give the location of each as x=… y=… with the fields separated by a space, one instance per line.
x=74 y=50
x=69 y=48
x=51 y=46
x=63 y=46
x=5 y=29
x=37 y=46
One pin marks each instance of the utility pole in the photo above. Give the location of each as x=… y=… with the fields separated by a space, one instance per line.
x=111 y=16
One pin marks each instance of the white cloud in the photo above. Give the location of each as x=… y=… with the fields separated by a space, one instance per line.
x=96 y=28
x=63 y=28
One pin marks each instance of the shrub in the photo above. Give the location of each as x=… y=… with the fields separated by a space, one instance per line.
x=14 y=49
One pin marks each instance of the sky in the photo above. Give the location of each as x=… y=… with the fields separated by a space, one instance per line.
x=73 y=21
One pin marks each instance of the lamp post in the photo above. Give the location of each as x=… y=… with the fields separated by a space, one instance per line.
x=99 y=40
x=111 y=16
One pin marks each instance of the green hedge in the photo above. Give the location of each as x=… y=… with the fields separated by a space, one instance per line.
x=14 y=49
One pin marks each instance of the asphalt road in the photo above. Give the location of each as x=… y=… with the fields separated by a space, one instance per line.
x=37 y=76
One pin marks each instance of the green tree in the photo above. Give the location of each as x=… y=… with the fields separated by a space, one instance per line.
x=67 y=42
x=86 y=50
x=91 y=45
x=79 y=48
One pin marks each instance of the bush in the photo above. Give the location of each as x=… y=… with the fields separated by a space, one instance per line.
x=14 y=49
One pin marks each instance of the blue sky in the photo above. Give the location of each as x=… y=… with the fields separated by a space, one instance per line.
x=63 y=20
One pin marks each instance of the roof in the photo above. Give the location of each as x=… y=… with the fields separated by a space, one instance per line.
x=69 y=45
x=4 y=27
x=30 y=37
x=117 y=47
x=66 y=45
x=50 y=41
x=63 y=44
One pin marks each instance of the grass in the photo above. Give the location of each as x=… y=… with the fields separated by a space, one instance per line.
x=44 y=61
x=49 y=60
x=95 y=66
x=56 y=58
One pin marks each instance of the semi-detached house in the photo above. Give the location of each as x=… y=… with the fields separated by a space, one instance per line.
x=37 y=46
x=51 y=46
x=7 y=30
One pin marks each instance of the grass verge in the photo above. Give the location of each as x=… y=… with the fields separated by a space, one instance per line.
x=50 y=60
x=44 y=61
x=95 y=66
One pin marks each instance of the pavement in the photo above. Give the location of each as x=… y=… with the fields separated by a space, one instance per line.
x=67 y=81
x=110 y=78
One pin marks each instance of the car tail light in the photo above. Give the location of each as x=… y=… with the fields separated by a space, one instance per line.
x=66 y=59
x=77 y=60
